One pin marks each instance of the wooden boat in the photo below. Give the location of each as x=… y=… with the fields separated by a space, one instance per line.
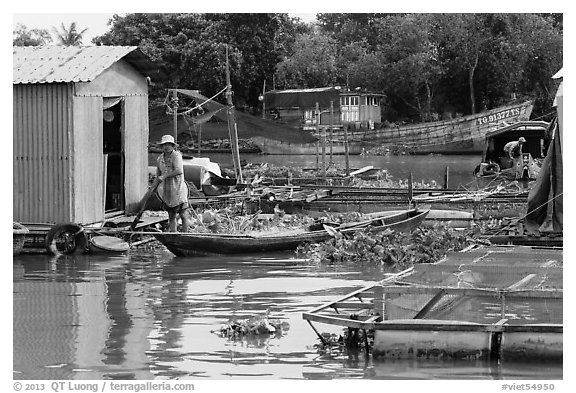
x=190 y=244
x=464 y=135
x=495 y=160
x=498 y=303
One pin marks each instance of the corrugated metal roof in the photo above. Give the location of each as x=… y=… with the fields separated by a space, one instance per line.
x=310 y=90
x=64 y=64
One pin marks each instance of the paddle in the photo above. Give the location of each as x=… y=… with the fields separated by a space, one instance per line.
x=143 y=203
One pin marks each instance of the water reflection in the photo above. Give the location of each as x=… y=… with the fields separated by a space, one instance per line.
x=148 y=315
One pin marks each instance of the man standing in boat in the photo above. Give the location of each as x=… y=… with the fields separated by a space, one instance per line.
x=514 y=148
x=172 y=189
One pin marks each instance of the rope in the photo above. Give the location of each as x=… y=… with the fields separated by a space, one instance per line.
x=528 y=213
x=186 y=112
x=208 y=100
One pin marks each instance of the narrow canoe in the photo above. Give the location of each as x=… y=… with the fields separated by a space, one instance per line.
x=190 y=244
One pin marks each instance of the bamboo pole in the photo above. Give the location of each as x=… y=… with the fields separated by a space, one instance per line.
x=323 y=141
x=346 y=151
x=175 y=114
x=331 y=131
x=264 y=100
x=199 y=138
x=232 y=130
x=410 y=188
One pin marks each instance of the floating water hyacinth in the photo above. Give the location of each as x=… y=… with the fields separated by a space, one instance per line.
x=396 y=249
x=256 y=326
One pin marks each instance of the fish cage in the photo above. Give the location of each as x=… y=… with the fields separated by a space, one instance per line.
x=492 y=303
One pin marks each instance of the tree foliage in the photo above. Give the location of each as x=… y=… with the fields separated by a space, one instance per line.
x=429 y=64
x=426 y=65
x=21 y=36
x=69 y=36
x=192 y=48
x=312 y=64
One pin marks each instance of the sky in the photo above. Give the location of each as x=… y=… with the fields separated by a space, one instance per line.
x=97 y=23
x=93 y=15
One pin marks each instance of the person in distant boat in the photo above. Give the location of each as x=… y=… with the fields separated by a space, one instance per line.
x=172 y=188
x=514 y=148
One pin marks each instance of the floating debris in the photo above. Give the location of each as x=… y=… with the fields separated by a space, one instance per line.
x=257 y=326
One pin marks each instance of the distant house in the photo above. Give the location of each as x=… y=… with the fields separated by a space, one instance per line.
x=80 y=131
x=297 y=107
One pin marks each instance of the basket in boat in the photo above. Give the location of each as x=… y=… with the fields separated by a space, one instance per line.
x=19 y=237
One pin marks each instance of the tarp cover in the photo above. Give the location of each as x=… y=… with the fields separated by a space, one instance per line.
x=545 y=202
x=302 y=98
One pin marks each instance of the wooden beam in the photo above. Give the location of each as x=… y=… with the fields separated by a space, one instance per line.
x=428 y=306
x=521 y=293
x=433 y=325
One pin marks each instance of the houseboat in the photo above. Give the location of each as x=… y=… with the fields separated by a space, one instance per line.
x=80 y=135
x=310 y=109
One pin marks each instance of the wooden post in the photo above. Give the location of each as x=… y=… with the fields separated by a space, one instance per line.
x=232 y=130
x=331 y=131
x=346 y=152
x=323 y=140
x=446 y=177
x=410 y=189
x=264 y=100
x=175 y=114
x=317 y=154
x=379 y=301
x=199 y=137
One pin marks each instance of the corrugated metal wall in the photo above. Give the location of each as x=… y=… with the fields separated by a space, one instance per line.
x=42 y=162
x=58 y=155
x=135 y=150
x=88 y=160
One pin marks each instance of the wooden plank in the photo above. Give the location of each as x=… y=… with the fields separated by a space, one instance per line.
x=521 y=283
x=337 y=321
x=452 y=268
x=365 y=289
x=522 y=293
x=354 y=305
x=428 y=306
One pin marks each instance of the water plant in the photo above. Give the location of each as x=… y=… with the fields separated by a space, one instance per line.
x=390 y=248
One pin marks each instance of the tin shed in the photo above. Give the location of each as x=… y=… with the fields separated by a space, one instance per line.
x=80 y=131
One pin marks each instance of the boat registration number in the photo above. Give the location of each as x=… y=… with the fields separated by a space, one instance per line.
x=501 y=115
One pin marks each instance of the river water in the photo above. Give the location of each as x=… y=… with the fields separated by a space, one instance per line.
x=424 y=168
x=148 y=315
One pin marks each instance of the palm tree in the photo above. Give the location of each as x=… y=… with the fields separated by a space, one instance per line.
x=70 y=36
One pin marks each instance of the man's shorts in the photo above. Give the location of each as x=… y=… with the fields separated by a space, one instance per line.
x=181 y=208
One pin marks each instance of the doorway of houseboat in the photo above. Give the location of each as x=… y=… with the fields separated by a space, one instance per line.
x=113 y=154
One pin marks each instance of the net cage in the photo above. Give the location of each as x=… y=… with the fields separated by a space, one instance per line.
x=521 y=285
x=482 y=287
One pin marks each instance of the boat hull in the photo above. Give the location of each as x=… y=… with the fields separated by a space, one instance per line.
x=465 y=135
x=195 y=244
